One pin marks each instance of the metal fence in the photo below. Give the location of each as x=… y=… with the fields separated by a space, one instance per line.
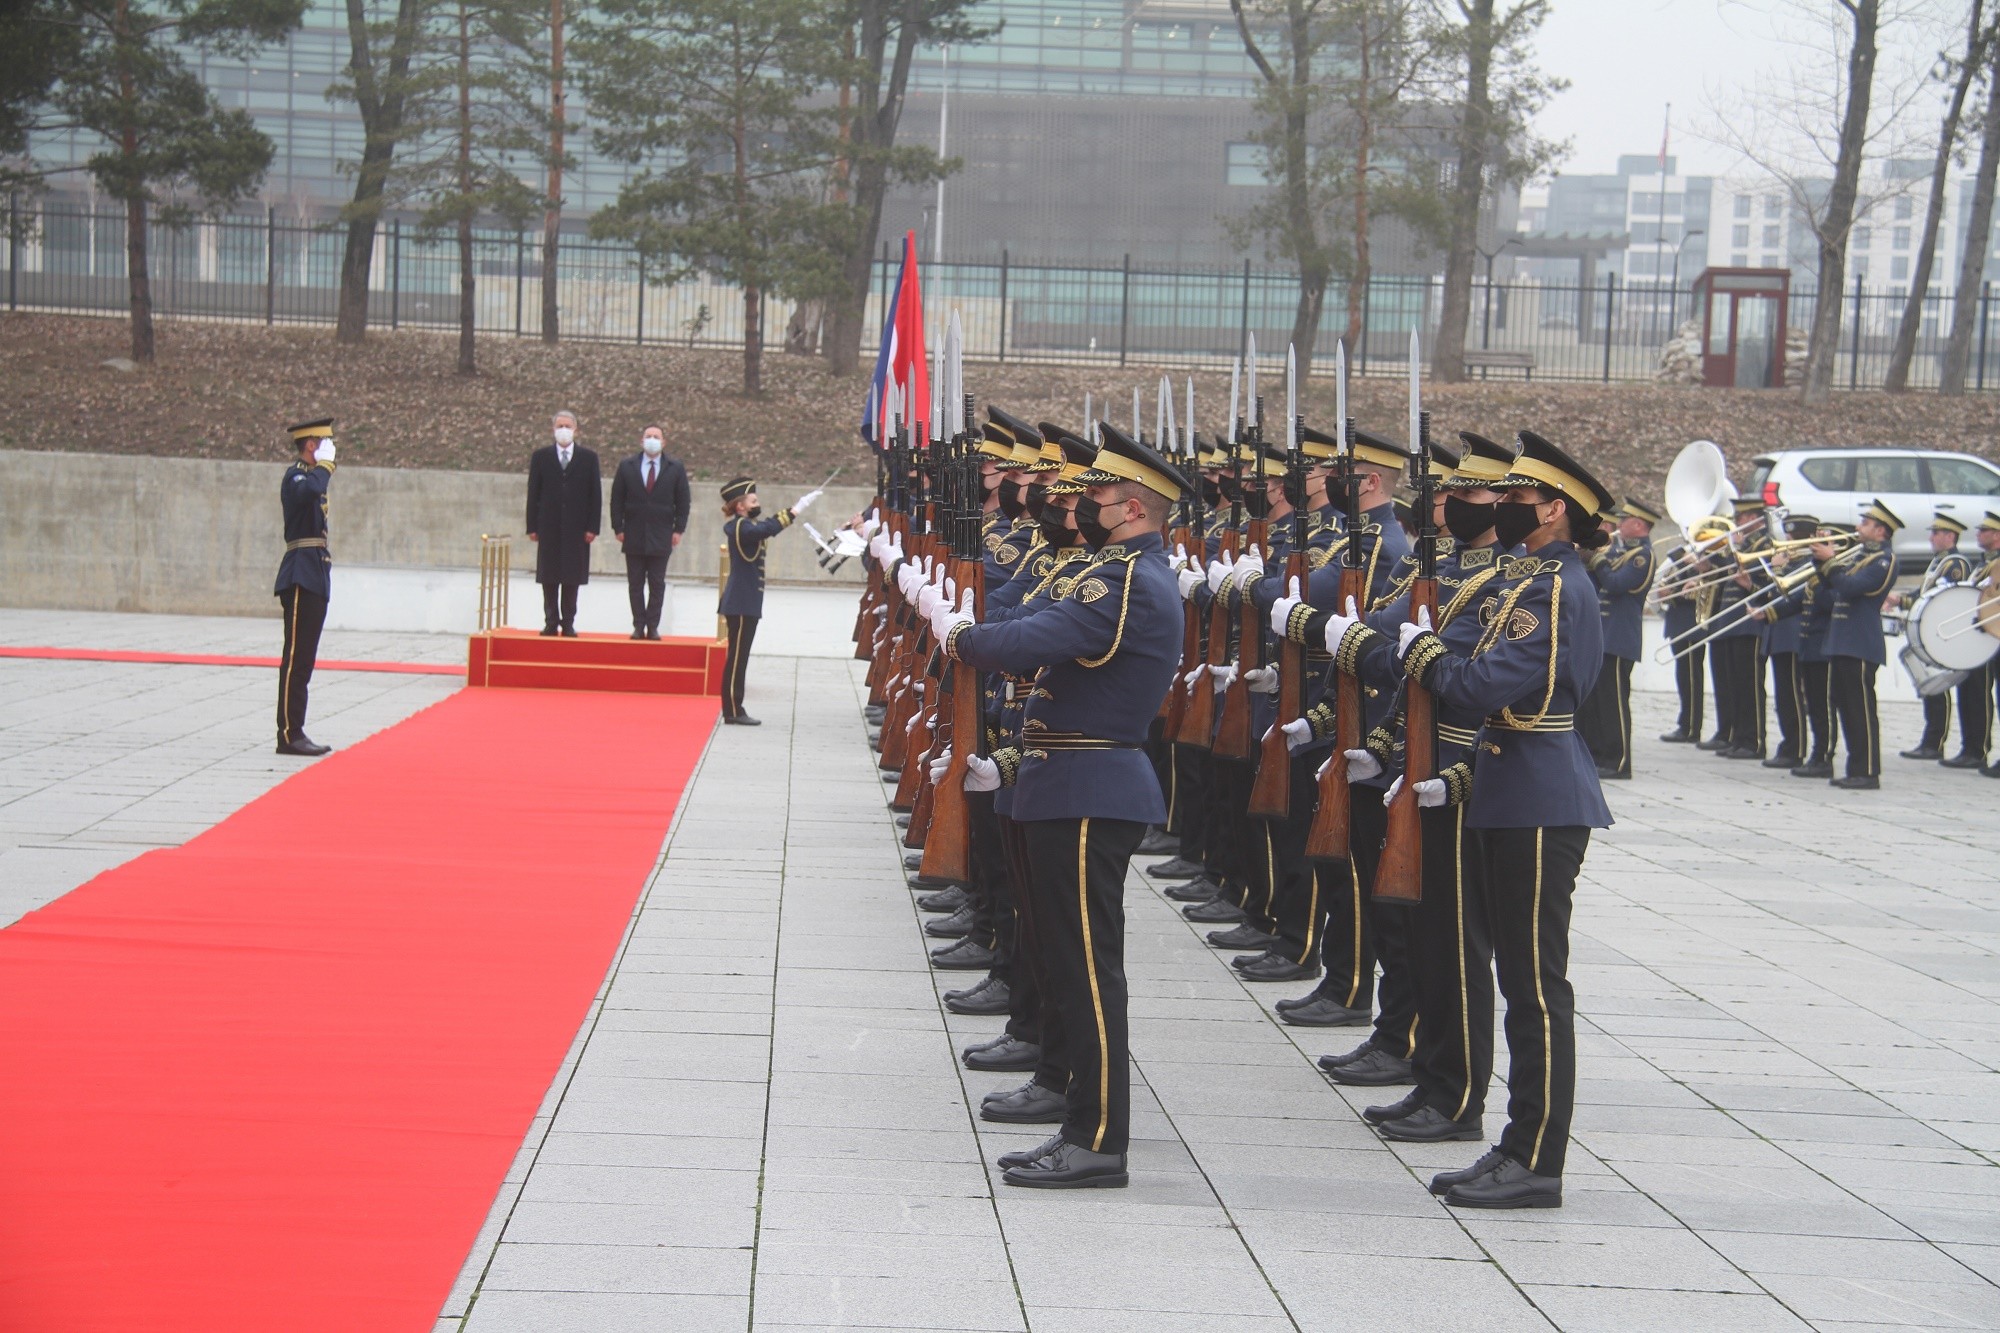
x=277 y=267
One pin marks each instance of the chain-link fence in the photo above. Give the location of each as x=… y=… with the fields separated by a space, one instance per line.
x=279 y=267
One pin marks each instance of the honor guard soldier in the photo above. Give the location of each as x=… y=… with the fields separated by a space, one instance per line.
x=305 y=578
x=1948 y=565
x=1103 y=658
x=1859 y=579
x=745 y=534
x=1624 y=571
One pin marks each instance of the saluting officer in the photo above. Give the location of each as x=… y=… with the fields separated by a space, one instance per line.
x=1103 y=658
x=1624 y=571
x=1858 y=579
x=745 y=533
x=305 y=578
x=1948 y=565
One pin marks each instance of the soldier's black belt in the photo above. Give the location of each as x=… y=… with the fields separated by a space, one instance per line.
x=307 y=544
x=1073 y=740
x=1457 y=735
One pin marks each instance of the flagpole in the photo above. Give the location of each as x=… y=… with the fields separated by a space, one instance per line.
x=1659 y=241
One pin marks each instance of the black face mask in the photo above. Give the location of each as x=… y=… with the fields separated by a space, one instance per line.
x=1090 y=522
x=1466 y=520
x=1036 y=499
x=1295 y=491
x=1227 y=489
x=989 y=483
x=1211 y=494
x=1513 y=520
x=1256 y=503
x=1012 y=503
x=753 y=511
x=1055 y=526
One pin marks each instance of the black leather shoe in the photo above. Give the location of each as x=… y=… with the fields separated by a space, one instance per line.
x=1713 y=743
x=1964 y=760
x=1508 y=1185
x=1029 y=1104
x=1323 y=1012
x=1992 y=770
x=1245 y=936
x=1216 y=911
x=1035 y=1154
x=923 y=881
x=1741 y=752
x=1427 y=1124
x=1813 y=770
x=913 y=861
x=892 y=776
x=305 y=747
x=743 y=720
x=990 y=996
x=549 y=631
x=968 y=955
x=956 y=926
x=1157 y=842
x=944 y=900
x=569 y=631
x=1277 y=967
x=1007 y=1053
x=1444 y=1180
x=639 y=634
x=1178 y=868
x=1782 y=760
x=964 y=992
x=1923 y=752
x=1856 y=783
x=1377 y=1069
x=902 y=821
x=1412 y=1102
x=1071 y=1168
x=1677 y=737
x=1608 y=774
x=653 y=633
x=1347 y=1057
x=1198 y=890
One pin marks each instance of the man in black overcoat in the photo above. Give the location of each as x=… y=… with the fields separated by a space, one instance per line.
x=649 y=512
x=565 y=510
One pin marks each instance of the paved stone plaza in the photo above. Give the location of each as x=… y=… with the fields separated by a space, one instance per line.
x=1789 y=1036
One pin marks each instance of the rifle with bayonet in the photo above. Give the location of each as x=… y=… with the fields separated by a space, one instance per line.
x=1197 y=705
x=1232 y=729
x=1400 y=873
x=1271 y=792
x=1216 y=652
x=948 y=841
x=1330 y=837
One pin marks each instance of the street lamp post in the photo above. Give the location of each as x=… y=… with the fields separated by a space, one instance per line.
x=1486 y=325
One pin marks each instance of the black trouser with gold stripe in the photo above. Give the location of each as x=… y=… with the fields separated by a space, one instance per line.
x=1023 y=966
x=305 y=615
x=1975 y=711
x=1607 y=716
x=1297 y=911
x=1187 y=806
x=992 y=888
x=1788 y=702
x=1814 y=678
x=741 y=632
x=1347 y=940
x=1853 y=685
x=1739 y=691
x=1688 y=684
x=1226 y=851
x=1937 y=721
x=1530 y=880
x=1076 y=885
x=1451 y=967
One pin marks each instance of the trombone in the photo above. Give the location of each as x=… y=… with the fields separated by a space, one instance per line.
x=1694 y=582
x=1758 y=602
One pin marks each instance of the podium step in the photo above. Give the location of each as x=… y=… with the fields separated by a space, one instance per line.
x=522 y=659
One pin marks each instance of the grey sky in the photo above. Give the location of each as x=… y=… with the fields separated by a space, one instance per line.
x=1625 y=59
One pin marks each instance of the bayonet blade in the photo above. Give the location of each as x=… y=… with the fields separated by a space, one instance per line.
x=1250 y=385
x=1416 y=406
x=1340 y=393
x=1189 y=437
x=1291 y=399
x=1137 y=433
x=1235 y=390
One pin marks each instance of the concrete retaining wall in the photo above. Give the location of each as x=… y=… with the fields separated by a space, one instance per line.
x=93 y=532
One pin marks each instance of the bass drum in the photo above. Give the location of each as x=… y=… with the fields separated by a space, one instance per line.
x=1945 y=626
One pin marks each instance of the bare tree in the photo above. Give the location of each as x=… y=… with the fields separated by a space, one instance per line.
x=552 y=220
x=1978 y=230
x=1962 y=71
x=378 y=80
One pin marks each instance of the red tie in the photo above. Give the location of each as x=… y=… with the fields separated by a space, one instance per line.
x=649 y=474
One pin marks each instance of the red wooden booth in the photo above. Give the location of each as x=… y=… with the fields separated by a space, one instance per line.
x=1743 y=326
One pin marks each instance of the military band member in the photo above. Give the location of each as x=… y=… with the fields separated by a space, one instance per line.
x=1948 y=565
x=1736 y=653
x=1812 y=606
x=1682 y=607
x=745 y=535
x=1103 y=658
x=1858 y=579
x=305 y=578
x=1987 y=577
x=1624 y=573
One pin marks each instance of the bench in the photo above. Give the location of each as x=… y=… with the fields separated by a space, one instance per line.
x=1484 y=360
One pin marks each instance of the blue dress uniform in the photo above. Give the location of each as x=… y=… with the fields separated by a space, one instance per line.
x=1949 y=566
x=1532 y=800
x=1801 y=617
x=744 y=537
x=1735 y=654
x=1103 y=658
x=1678 y=615
x=1983 y=686
x=304 y=584
x=1624 y=572
x=1858 y=580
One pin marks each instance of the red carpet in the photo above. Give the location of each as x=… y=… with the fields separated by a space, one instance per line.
x=219 y=659
x=274 y=1078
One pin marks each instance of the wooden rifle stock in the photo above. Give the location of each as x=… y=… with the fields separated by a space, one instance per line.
x=1271 y=793
x=1400 y=873
x=1200 y=720
x=1331 y=836
x=1173 y=709
x=1232 y=732
x=948 y=843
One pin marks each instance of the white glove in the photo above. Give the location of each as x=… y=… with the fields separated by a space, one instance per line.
x=930 y=596
x=945 y=619
x=323 y=454
x=1178 y=560
x=940 y=764
x=981 y=774
x=1281 y=610
x=800 y=505
x=896 y=547
x=1298 y=734
x=1189 y=581
x=909 y=578
x=1362 y=765
x=1222 y=677
x=1338 y=624
x=1262 y=680
x=1410 y=630
x=1193 y=678
x=1249 y=567
x=878 y=545
x=1218 y=571
x=869 y=527
x=1430 y=793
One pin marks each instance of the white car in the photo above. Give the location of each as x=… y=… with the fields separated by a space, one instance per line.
x=1917 y=484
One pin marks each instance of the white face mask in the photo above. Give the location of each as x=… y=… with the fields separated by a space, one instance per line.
x=564 y=434
x=652 y=444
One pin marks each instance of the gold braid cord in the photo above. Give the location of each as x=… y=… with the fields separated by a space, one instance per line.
x=1124 y=605
x=1555 y=636
x=1463 y=598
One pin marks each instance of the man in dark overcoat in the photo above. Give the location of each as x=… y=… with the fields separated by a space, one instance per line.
x=565 y=510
